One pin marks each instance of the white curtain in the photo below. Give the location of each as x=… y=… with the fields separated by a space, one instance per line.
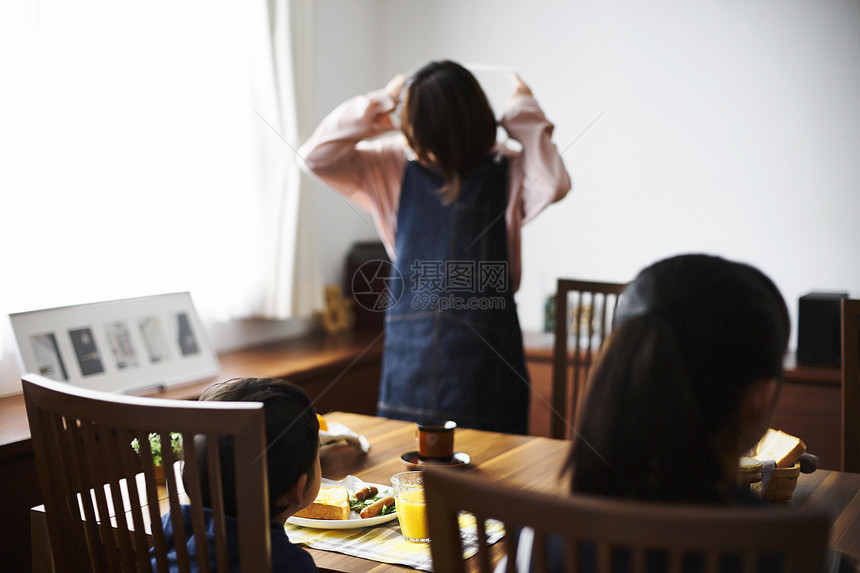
x=133 y=160
x=282 y=46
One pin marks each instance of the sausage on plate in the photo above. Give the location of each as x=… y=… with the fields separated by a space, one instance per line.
x=376 y=507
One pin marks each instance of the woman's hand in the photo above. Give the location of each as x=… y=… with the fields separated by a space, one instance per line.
x=520 y=88
x=384 y=120
x=395 y=87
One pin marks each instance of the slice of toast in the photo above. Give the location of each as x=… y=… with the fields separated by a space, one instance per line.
x=780 y=447
x=330 y=503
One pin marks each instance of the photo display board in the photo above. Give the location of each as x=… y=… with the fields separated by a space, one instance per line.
x=121 y=345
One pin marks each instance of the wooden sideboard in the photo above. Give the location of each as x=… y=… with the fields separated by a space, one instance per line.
x=809 y=405
x=342 y=373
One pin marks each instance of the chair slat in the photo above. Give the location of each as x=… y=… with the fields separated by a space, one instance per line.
x=157 y=530
x=103 y=544
x=180 y=541
x=191 y=478
x=216 y=490
x=77 y=459
x=129 y=470
x=483 y=553
x=712 y=562
x=122 y=533
x=676 y=563
x=604 y=557
x=249 y=453
x=64 y=503
x=539 y=550
x=750 y=562
x=571 y=555
x=638 y=558
x=119 y=449
x=510 y=550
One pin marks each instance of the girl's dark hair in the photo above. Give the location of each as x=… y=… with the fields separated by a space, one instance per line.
x=446 y=116
x=292 y=435
x=692 y=334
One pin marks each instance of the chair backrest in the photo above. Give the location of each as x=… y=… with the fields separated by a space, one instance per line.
x=597 y=531
x=850 y=385
x=88 y=470
x=584 y=311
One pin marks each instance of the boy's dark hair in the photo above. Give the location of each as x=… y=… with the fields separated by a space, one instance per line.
x=292 y=436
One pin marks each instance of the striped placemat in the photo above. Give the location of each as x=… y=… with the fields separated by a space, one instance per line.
x=386 y=544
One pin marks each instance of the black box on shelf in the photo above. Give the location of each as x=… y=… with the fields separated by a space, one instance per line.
x=819 y=325
x=367 y=271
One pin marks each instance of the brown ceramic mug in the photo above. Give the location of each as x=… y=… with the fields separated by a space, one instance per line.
x=436 y=441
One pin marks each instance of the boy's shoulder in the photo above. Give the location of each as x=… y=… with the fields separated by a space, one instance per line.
x=287 y=557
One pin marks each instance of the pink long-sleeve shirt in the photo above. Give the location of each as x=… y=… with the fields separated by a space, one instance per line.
x=352 y=154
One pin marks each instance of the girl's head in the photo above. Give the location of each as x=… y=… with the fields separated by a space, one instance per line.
x=686 y=382
x=448 y=122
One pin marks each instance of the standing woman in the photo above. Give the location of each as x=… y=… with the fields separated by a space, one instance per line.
x=449 y=203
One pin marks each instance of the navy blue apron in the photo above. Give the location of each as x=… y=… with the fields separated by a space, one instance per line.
x=453 y=345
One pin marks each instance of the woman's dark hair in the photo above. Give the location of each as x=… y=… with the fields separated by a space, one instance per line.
x=292 y=436
x=692 y=334
x=448 y=122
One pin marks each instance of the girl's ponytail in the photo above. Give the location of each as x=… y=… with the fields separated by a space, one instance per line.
x=639 y=396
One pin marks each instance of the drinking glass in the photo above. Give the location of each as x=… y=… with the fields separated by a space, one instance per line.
x=411 y=508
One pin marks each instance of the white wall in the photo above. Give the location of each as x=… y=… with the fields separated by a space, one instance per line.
x=730 y=128
x=346 y=63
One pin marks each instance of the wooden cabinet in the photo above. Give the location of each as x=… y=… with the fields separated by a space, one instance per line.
x=337 y=372
x=540 y=374
x=809 y=405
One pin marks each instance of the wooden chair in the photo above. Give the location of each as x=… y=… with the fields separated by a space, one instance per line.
x=603 y=529
x=93 y=490
x=850 y=386
x=584 y=311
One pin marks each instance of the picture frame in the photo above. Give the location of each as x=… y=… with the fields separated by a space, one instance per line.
x=117 y=346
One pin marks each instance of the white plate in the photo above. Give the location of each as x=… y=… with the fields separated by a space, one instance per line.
x=352 y=484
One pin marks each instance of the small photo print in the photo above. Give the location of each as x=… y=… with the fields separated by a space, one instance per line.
x=88 y=355
x=153 y=337
x=121 y=345
x=48 y=358
x=187 y=341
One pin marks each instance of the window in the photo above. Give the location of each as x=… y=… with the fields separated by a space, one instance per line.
x=137 y=162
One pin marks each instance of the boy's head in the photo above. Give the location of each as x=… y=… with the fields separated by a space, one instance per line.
x=292 y=436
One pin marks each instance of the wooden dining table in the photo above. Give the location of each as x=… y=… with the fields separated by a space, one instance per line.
x=535 y=463
x=528 y=462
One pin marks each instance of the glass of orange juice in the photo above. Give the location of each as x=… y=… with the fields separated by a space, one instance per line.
x=411 y=509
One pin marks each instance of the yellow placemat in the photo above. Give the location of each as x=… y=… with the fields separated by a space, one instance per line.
x=386 y=544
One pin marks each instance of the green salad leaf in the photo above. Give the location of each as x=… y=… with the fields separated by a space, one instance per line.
x=357 y=505
x=155 y=446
